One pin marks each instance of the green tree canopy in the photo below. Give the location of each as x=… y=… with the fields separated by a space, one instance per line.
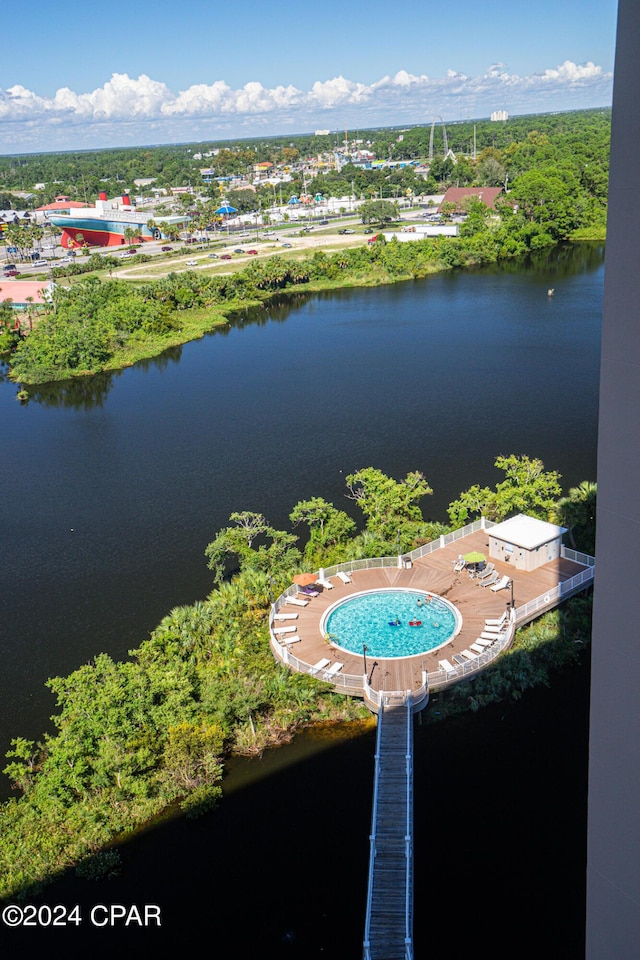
x=389 y=505
x=527 y=488
x=254 y=545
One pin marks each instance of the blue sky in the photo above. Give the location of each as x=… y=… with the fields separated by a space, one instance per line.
x=84 y=75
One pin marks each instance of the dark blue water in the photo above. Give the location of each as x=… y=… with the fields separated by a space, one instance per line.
x=114 y=486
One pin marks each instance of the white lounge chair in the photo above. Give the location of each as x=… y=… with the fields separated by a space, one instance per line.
x=482 y=642
x=286 y=616
x=285 y=641
x=446 y=666
x=488 y=628
x=284 y=629
x=333 y=669
x=459 y=659
x=501 y=584
x=495 y=621
x=297 y=601
x=490 y=580
x=320 y=665
x=344 y=576
x=477 y=647
x=486 y=571
x=468 y=655
x=489 y=636
x=458 y=565
x=325 y=584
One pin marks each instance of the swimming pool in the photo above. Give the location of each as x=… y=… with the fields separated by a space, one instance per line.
x=394 y=622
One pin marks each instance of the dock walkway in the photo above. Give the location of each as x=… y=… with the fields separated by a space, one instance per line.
x=389 y=918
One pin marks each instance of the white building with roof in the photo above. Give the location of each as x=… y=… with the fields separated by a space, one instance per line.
x=525 y=542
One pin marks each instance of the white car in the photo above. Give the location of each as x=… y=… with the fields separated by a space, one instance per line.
x=192 y=263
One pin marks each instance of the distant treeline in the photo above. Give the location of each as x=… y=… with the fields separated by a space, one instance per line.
x=485 y=153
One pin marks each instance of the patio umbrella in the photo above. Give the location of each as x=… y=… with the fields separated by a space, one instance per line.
x=304 y=579
x=226 y=208
x=474 y=557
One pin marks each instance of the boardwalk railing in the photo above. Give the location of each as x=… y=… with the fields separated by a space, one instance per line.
x=388 y=929
x=532 y=609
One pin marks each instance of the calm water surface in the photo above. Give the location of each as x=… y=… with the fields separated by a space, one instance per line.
x=113 y=487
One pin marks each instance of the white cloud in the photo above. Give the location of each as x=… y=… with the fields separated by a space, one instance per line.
x=128 y=110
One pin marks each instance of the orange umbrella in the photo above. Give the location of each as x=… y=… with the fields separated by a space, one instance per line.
x=303 y=579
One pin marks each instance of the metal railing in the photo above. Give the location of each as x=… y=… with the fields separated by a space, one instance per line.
x=562 y=591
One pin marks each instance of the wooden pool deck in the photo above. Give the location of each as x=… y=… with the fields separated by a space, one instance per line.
x=432 y=573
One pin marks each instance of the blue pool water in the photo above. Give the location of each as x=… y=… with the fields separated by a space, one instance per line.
x=370 y=618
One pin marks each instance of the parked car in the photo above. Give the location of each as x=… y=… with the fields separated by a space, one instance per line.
x=286 y=244
x=192 y=263
x=238 y=250
x=166 y=249
x=252 y=253
x=368 y=230
x=12 y=272
x=65 y=260
x=225 y=256
x=41 y=263
x=213 y=256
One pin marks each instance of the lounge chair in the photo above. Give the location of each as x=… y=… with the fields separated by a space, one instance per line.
x=297 y=601
x=344 y=576
x=309 y=592
x=490 y=580
x=320 y=665
x=333 y=669
x=476 y=647
x=285 y=641
x=488 y=628
x=501 y=584
x=325 y=584
x=458 y=564
x=483 y=642
x=286 y=616
x=486 y=571
x=489 y=636
x=284 y=629
x=468 y=655
x=458 y=659
x=446 y=666
x=495 y=622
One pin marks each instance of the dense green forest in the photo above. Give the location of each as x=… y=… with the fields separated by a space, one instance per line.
x=574 y=144
x=135 y=738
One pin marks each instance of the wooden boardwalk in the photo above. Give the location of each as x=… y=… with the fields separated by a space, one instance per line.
x=433 y=573
x=389 y=921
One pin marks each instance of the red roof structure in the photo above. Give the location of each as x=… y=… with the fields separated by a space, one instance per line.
x=18 y=290
x=61 y=205
x=487 y=195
